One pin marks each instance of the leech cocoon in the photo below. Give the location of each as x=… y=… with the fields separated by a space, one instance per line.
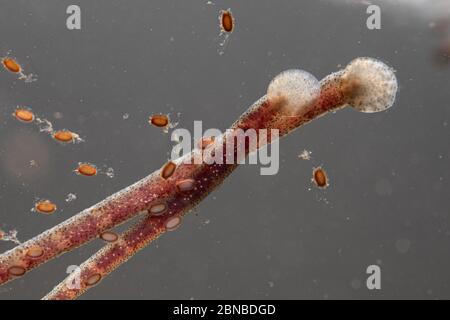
x=11 y=65
x=24 y=115
x=226 y=21
x=87 y=169
x=64 y=136
x=159 y=120
x=45 y=207
x=168 y=170
x=320 y=178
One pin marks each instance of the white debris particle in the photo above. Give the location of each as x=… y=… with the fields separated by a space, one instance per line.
x=305 y=155
x=9 y=236
x=44 y=125
x=71 y=197
x=110 y=172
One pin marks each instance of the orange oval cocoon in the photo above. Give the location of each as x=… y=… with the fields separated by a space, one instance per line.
x=159 y=120
x=87 y=169
x=24 y=115
x=11 y=65
x=227 y=21
x=63 y=136
x=46 y=207
x=320 y=177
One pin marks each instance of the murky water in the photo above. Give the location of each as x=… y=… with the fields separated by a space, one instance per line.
x=257 y=236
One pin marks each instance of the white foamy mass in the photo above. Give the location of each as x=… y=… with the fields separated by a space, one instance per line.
x=297 y=88
x=376 y=84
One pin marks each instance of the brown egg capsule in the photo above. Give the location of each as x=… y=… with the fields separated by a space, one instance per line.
x=24 y=115
x=320 y=177
x=64 y=136
x=11 y=65
x=87 y=169
x=226 y=21
x=168 y=170
x=45 y=207
x=159 y=120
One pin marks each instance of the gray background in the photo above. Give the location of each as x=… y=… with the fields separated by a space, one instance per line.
x=257 y=236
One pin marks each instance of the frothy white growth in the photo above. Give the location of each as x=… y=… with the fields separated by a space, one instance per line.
x=371 y=85
x=296 y=88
